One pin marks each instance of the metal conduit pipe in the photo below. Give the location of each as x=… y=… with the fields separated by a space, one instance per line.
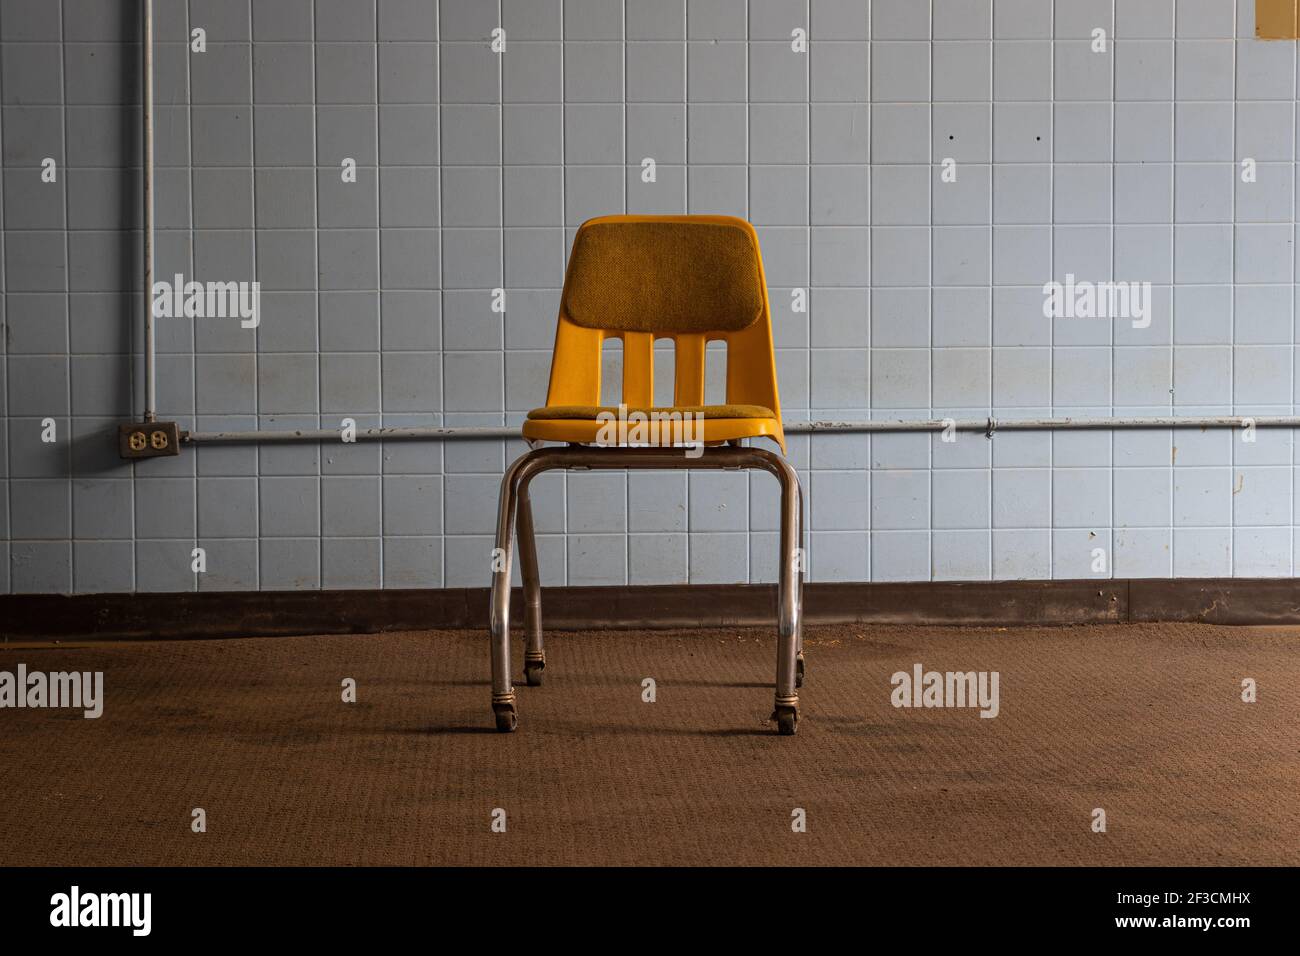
x=985 y=425
x=146 y=158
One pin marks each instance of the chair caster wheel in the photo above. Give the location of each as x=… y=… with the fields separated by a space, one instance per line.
x=787 y=720
x=533 y=673
x=507 y=719
x=798 y=671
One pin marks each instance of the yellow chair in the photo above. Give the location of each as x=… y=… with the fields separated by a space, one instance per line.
x=692 y=279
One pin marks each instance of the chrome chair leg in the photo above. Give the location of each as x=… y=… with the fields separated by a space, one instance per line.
x=534 y=652
x=798 y=661
x=790 y=577
x=503 y=692
x=515 y=506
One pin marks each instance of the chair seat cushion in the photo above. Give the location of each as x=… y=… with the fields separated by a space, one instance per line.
x=592 y=412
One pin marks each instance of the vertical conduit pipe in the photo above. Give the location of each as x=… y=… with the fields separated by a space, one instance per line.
x=150 y=376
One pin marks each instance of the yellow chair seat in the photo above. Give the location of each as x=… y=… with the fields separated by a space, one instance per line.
x=595 y=411
x=718 y=423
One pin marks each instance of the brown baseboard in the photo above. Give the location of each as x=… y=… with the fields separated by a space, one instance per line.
x=1001 y=603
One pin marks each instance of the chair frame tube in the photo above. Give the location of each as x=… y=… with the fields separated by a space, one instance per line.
x=514 y=516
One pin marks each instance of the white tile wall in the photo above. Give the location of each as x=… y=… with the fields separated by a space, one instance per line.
x=1112 y=156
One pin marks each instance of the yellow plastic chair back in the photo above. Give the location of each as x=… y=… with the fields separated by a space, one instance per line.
x=691 y=279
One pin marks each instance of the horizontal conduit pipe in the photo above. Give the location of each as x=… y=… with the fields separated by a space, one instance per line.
x=985 y=425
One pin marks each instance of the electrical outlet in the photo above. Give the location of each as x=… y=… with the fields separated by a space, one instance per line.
x=148 y=439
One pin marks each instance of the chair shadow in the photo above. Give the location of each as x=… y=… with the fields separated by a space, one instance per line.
x=486 y=728
x=698 y=732
x=521 y=682
x=440 y=731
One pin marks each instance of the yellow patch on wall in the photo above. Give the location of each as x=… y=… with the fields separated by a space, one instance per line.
x=1276 y=19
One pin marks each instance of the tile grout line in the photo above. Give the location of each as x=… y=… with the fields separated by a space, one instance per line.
x=67 y=295
x=6 y=582
x=1232 y=300
x=1295 y=95
x=1113 y=545
x=686 y=208
x=564 y=160
x=379 y=298
x=1051 y=274
x=929 y=196
x=1172 y=398
x=747 y=486
x=317 y=175
x=257 y=392
x=993 y=255
x=627 y=478
x=192 y=259
x=501 y=208
x=442 y=310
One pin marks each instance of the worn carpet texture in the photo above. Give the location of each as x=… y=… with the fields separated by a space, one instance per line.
x=1145 y=722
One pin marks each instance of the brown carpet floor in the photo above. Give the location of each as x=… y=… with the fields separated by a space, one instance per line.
x=1144 y=721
